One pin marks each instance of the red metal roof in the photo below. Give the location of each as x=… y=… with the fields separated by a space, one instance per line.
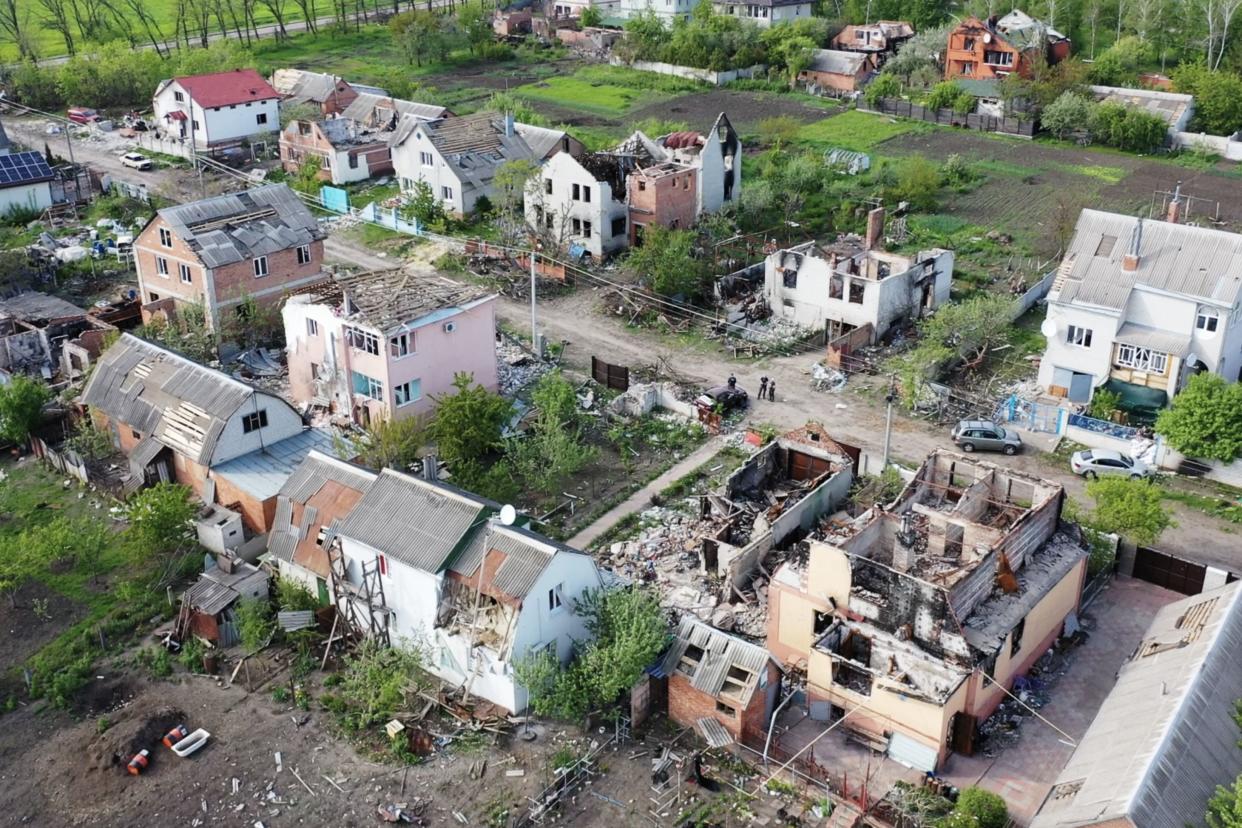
x=227 y=88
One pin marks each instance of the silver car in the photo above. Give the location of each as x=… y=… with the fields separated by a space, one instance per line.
x=1095 y=462
x=985 y=435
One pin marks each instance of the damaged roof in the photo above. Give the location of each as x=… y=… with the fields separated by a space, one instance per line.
x=413 y=521
x=524 y=557
x=721 y=653
x=1164 y=737
x=543 y=141
x=835 y=62
x=238 y=226
x=33 y=306
x=301 y=85
x=401 y=296
x=263 y=472
x=1199 y=262
x=215 y=590
x=320 y=494
x=379 y=110
x=161 y=393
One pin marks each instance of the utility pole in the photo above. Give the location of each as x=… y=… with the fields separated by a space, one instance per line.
x=534 y=325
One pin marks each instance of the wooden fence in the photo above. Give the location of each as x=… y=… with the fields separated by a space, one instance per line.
x=1024 y=128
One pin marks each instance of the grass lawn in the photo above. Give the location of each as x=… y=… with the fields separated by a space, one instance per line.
x=605 y=99
x=854 y=130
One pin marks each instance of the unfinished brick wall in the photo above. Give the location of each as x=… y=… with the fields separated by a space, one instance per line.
x=686 y=705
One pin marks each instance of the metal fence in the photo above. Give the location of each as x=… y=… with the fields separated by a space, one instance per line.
x=1023 y=127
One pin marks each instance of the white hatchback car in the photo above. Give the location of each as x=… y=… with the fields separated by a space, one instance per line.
x=1095 y=462
x=136 y=161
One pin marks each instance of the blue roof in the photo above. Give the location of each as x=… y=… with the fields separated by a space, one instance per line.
x=262 y=473
x=23 y=168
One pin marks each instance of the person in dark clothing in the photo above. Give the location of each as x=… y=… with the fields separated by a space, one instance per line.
x=732 y=382
x=772 y=390
x=763 y=387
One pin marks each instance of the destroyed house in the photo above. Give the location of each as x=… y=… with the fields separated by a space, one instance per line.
x=329 y=93
x=43 y=335
x=176 y=420
x=978 y=50
x=914 y=618
x=882 y=36
x=346 y=150
x=310 y=508
x=579 y=203
x=724 y=687
x=427 y=563
x=208 y=607
x=1165 y=736
x=855 y=284
x=217 y=252
x=783 y=489
x=382 y=344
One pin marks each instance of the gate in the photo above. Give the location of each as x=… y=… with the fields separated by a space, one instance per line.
x=616 y=377
x=1031 y=415
x=1169 y=572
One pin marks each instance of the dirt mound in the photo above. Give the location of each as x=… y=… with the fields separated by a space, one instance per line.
x=116 y=746
x=101 y=697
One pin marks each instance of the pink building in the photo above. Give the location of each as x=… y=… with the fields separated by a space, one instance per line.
x=382 y=344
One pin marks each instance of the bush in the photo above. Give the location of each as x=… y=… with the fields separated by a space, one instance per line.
x=1103 y=403
x=1218 y=98
x=1205 y=420
x=977 y=808
x=884 y=86
x=293 y=596
x=1128 y=128
x=1067 y=114
x=255 y=623
x=948 y=95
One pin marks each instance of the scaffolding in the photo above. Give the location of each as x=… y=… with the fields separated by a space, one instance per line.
x=361 y=605
x=569 y=780
x=667 y=774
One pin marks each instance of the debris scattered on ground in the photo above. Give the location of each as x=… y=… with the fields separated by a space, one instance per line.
x=517 y=367
x=826 y=378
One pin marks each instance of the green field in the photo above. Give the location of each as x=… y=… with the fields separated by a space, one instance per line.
x=600 y=98
x=854 y=130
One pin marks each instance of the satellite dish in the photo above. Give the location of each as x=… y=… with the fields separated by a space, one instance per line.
x=987 y=37
x=1048 y=328
x=507 y=515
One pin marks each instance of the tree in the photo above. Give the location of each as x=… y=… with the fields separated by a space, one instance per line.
x=255 y=624
x=1068 y=114
x=304 y=111
x=1205 y=419
x=510 y=183
x=950 y=95
x=665 y=261
x=1127 y=128
x=476 y=25
x=160 y=519
x=419 y=35
x=553 y=449
x=1218 y=98
x=20 y=561
x=21 y=407
x=917 y=182
x=1224 y=809
x=1118 y=65
x=627 y=631
x=468 y=423
x=1129 y=508
x=920 y=56
x=886 y=85
x=977 y=808
x=392 y=443
x=591 y=16
x=424 y=205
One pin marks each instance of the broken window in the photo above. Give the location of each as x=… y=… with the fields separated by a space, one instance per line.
x=823 y=620
x=851 y=678
x=690 y=659
x=857 y=290
x=401 y=345
x=555 y=601
x=791 y=278
x=737 y=682
x=721 y=707
x=618 y=226
x=836 y=287
x=1016 y=640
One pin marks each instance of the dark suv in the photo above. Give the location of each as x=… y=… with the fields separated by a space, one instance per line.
x=985 y=435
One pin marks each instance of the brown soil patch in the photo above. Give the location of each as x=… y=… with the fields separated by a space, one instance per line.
x=24 y=632
x=745 y=109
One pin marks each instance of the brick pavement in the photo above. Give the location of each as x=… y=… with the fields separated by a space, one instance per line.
x=1025 y=771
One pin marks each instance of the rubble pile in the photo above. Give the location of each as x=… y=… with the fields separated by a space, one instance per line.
x=1003 y=728
x=516 y=367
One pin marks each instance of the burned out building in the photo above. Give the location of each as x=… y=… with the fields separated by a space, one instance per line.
x=46 y=336
x=913 y=619
x=854 y=284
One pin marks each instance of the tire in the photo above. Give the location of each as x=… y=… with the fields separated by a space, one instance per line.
x=1010 y=450
x=968 y=447
x=1090 y=475
x=1136 y=477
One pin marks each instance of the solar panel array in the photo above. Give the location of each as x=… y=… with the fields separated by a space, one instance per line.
x=23 y=167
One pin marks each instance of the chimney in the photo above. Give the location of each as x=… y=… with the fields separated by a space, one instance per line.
x=508 y=124
x=1130 y=261
x=1174 y=215
x=431 y=468
x=875 y=228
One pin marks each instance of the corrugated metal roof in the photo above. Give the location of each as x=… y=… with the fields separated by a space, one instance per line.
x=157 y=392
x=146 y=451
x=282 y=538
x=215 y=589
x=1166 y=341
x=835 y=62
x=378 y=110
x=411 y=520
x=526 y=557
x=264 y=473
x=319 y=467
x=721 y=652
x=713 y=732
x=1164 y=737
x=237 y=226
x=541 y=140
x=1199 y=262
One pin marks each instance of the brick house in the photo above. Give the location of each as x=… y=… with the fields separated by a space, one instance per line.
x=662 y=194
x=258 y=243
x=331 y=94
x=1001 y=46
x=347 y=150
x=838 y=72
x=380 y=345
x=716 y=680
x=880 y=37
x=176 y=420
x=218 y=110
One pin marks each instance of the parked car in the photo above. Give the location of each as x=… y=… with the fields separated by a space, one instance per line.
x=136 y=160
x=724 y=397
x=82 y=115
x=1095 y=462
x=985 y=435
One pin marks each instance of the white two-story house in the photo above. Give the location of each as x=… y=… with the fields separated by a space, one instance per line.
x=580 y=202
x=437 y=569
x=217 y=110
x=1141 y=305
